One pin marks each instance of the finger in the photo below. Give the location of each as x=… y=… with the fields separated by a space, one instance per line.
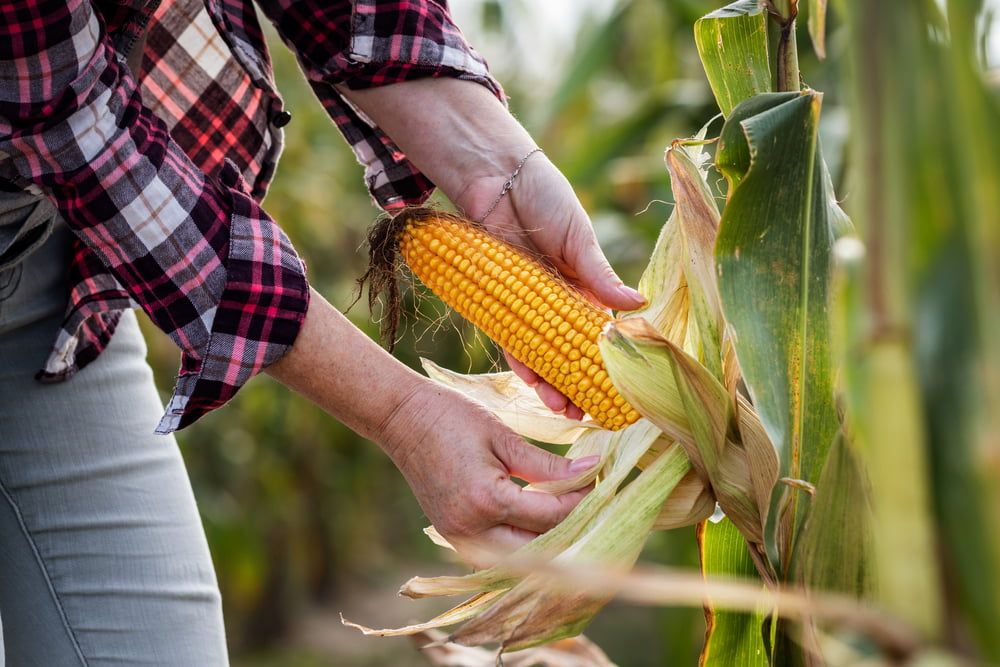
x=553 y=399
x=535 y=511
x=557 y=402
x=529 y=376
x=534 y=464
x=588 y=264
x=492 y=544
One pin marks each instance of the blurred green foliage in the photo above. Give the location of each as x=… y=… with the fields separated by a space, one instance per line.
x=304 y=517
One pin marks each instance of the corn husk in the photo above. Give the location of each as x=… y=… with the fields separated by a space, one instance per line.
x=537 y=611
x=514 y=403
x=680 y=396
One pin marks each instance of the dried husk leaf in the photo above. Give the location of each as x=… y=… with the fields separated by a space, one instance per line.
x=474 y=605
x=690 y=502
x=625 y=448
x=514 y=403
x=536 y=611
x=574 y=652
x=437 y=538
x=698 y=222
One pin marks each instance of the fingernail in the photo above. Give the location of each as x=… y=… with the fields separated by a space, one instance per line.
x=584 y=464
x=631 y=294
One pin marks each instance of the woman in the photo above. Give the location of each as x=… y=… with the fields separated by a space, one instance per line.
x=136 y=140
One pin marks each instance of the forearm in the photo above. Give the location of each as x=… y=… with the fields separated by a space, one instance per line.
x=336 y=366
x=454 y=131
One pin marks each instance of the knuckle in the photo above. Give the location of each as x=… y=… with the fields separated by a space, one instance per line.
x=485 y=506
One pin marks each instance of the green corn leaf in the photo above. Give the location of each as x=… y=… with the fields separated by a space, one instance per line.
x=732 y=638
x=773 y=256
x=732 y=43
x=836 y=542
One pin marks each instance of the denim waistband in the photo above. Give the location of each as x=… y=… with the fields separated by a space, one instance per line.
x=26 y=221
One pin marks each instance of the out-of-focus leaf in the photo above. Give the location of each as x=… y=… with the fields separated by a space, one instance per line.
x=773 y=256
x=836 y=541
x=926 y=201
x=732 y=43
x=817 y=26
x=697 y=219
x=536 y=611
x=514 y=403
x=732 y=638
x=625 y=449
x=589 y=58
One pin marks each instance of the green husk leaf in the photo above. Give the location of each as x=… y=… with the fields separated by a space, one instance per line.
x=536 y=611
x=733 y=46
x=664 y=285
x=836 y=540
x=684 y=400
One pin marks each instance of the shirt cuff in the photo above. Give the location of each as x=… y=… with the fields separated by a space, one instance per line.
x=390 y=43
x=258 y=317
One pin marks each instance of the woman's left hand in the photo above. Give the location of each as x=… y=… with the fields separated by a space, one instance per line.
x=542 y=213
x=468 y=143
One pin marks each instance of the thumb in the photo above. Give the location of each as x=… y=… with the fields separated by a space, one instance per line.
x=587 y=262
x=534 y=464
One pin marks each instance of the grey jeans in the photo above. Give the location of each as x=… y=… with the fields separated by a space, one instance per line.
x=103 y=559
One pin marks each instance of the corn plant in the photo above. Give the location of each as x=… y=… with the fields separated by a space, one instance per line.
x=777 y=380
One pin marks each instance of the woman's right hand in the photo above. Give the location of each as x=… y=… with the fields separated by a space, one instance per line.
x=459 y=460
x=457 y=457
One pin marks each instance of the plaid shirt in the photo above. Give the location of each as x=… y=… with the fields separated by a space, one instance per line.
x=160 y=173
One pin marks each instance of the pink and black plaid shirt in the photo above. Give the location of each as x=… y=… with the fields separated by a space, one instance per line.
x=159 y=172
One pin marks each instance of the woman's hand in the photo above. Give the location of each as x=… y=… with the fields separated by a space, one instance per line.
x=542 y=213
x=460 y=460
x=458 y=134
x=456 y=456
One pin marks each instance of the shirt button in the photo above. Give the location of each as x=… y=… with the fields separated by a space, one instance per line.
x=281 y=119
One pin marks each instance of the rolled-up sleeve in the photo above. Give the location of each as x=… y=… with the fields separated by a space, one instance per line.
x=197 y=253
x=362 y=44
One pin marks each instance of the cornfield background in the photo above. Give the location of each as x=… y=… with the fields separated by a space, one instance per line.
x=304 y=518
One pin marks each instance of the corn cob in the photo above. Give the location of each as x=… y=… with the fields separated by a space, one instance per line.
x=519 y=304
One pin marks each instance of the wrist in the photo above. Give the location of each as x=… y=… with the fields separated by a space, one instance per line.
x=454 y=131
